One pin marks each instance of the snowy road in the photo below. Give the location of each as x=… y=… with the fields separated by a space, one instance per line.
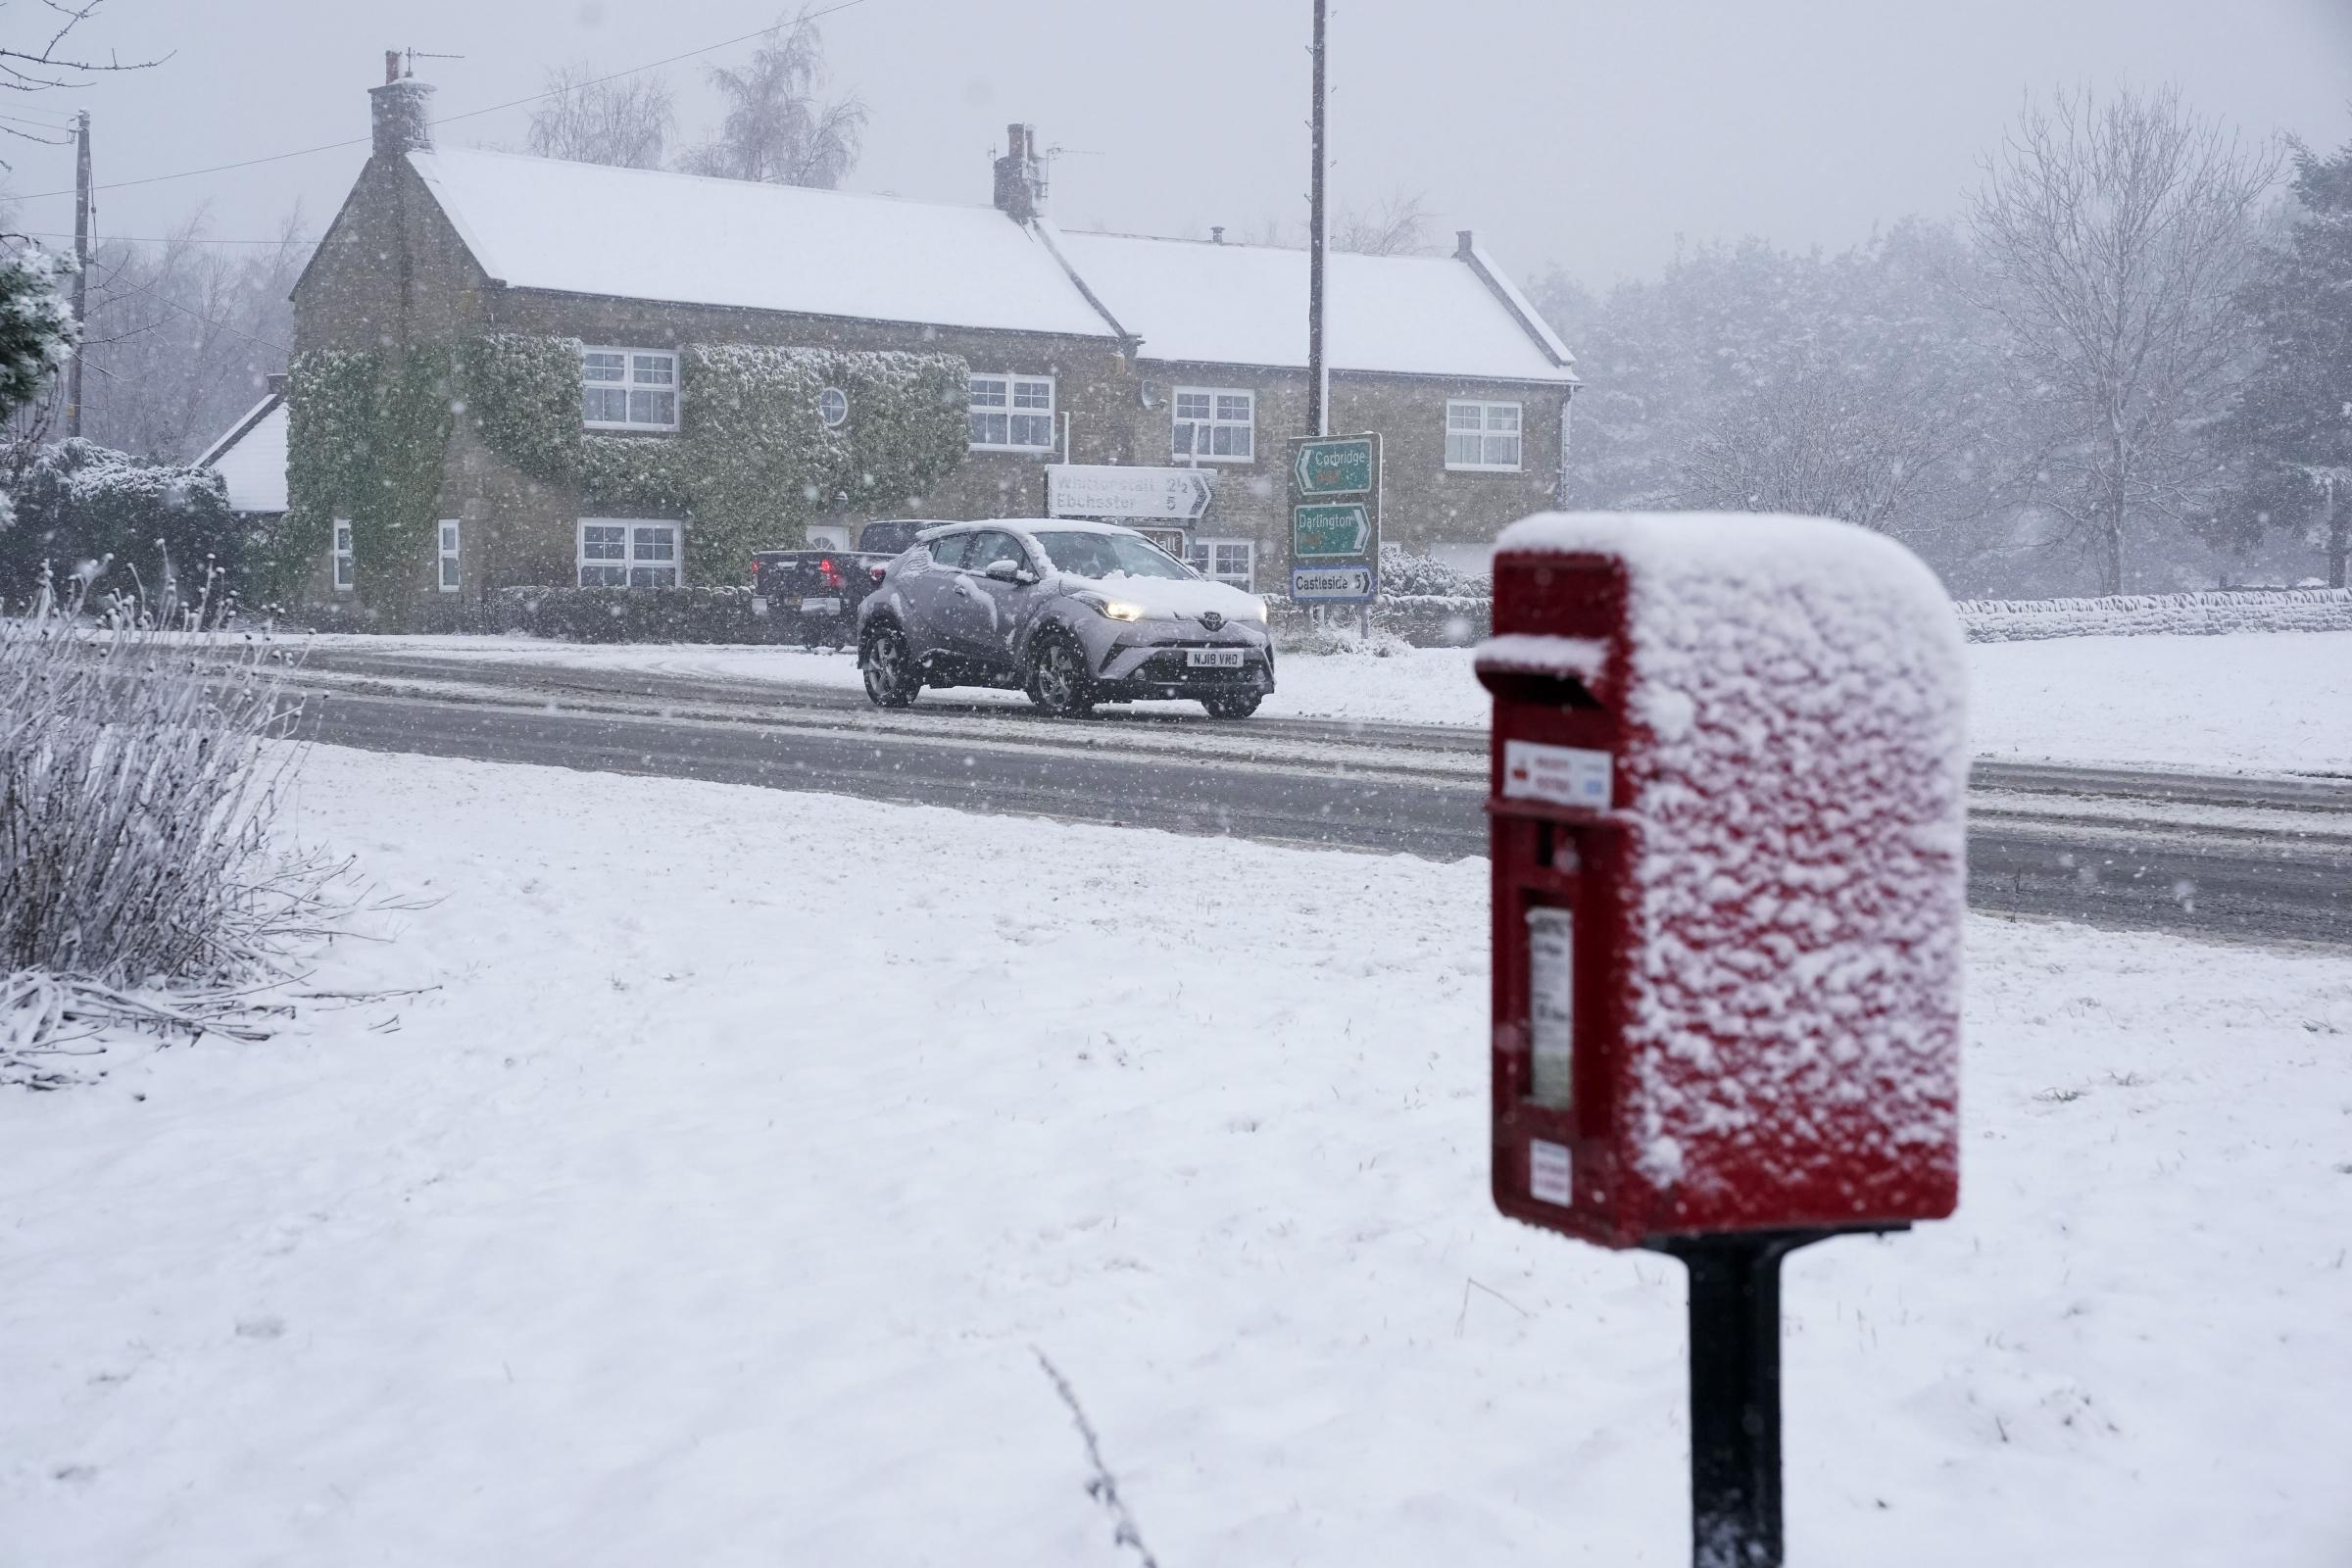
x=668 y=1186
x=2210 y=854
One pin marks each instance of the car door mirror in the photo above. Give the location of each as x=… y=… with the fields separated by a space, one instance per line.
x=1011 y=572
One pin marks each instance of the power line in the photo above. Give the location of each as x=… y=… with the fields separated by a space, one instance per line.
x=153 y=239
x=446 y=120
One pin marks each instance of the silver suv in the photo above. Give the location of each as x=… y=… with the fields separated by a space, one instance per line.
x=1074 y=614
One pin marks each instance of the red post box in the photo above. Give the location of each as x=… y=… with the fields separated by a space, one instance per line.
x=1727 y=807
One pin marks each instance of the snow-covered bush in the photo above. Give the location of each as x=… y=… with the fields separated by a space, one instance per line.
x=80 y=502
x=138 y=787
x=1405 y=573
x=1339 y=636
x=37 y=329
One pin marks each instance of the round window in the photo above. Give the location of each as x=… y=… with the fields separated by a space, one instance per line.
x=832 y=406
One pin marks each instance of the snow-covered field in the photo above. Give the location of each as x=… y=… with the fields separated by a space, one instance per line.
x=710 y=1210
x=2251 y=702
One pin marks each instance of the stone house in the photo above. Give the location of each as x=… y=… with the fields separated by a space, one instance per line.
x=1082 y=348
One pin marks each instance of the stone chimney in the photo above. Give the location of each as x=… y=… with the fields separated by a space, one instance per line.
x=1020 y=175
x=403 y=111
x=1465 y=244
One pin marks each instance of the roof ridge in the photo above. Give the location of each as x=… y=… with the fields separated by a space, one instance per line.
x=1240 y=245
x=709 y=180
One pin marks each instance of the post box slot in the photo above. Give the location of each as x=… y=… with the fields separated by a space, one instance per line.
x=1552 y=1005
x=1538 y=689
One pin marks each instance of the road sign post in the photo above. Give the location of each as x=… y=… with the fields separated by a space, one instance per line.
x=1335 y=520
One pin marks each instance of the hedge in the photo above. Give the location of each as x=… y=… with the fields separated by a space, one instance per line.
x=630 y=614
x=2002 y=620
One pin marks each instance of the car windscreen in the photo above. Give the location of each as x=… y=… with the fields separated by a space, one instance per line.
x=1107 y=555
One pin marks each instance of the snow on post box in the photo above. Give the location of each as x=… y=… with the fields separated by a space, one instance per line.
x=1727 y=816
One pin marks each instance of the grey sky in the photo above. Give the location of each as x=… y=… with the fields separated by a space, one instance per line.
x=1589 y=133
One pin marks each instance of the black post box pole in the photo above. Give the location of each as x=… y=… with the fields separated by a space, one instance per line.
x=1735 y=1393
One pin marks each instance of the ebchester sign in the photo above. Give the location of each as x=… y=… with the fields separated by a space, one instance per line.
x=1097 y=490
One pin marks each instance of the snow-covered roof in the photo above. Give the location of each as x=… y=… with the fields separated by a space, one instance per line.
x=631 y=233
x=585 y=228
x=251 y=459
x=1198 y=301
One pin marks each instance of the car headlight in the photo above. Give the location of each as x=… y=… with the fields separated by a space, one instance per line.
x=1115 y=608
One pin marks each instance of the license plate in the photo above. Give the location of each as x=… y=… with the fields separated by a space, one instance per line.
x=759 y=604
x=1213 y=658
x=820 y=607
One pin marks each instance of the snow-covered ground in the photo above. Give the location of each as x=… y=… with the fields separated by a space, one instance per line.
x=2251 y=702
x=710 y=1210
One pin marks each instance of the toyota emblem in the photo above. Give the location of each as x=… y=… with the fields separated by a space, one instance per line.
x=1211 y=619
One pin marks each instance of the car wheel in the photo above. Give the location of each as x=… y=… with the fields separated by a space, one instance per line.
x=890 y=677
x=1058 y=681
x=1239 y=706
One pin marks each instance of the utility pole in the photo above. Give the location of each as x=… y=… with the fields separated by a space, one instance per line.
x=81 y=264
x=1318 y=371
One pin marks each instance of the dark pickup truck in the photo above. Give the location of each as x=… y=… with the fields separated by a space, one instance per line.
x=811 y=596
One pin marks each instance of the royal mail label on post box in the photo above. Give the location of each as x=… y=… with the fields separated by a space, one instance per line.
x=1564 y=775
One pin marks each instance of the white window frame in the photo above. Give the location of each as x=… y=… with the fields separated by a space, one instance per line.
x=631 y=369
x=1201 y=556
x=1217 y=420
x=629 y=561
x=446 y=574
x=342 y=563
x=1488 y=434
x=1012 y=409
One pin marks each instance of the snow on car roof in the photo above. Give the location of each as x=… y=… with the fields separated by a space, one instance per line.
x=1030 y=525
x=1201 y=301
x=634 y=234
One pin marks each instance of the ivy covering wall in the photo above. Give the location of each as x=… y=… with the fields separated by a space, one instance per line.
x=753 y=461
x=366 y=433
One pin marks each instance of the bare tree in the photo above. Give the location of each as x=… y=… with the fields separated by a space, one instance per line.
x=592 y=120
x=1823 y=439
x=1396 y=224
x=2112 y=238
x=44 y=61
x=181 y=337
x=777 y=129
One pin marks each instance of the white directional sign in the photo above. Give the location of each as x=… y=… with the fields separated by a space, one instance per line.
x=1330 y=584
x=1099 y=490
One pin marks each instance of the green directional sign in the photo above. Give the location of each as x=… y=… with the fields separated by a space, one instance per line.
x=1345 y=466
x=1333 y=528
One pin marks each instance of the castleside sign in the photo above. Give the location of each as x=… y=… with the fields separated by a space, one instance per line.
x=1099 y=490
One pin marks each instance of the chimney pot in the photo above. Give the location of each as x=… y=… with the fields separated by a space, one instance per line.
x=1216 y=234
x=1021 y=183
